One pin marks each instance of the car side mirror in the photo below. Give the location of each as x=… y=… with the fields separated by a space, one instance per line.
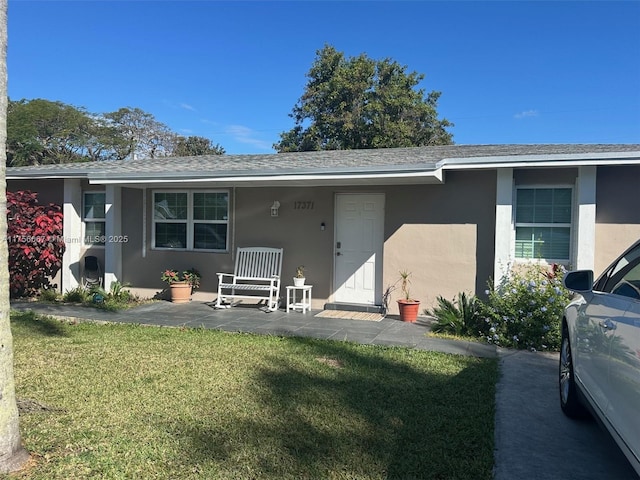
x=579 y=280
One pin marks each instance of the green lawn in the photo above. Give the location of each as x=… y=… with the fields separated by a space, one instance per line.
x=122 y=401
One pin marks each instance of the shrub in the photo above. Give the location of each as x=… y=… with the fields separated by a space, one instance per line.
x=49 y=295
x=36 y=244
x=117 y=298
x=526 y=310
x=458 y=317
x=77 y=295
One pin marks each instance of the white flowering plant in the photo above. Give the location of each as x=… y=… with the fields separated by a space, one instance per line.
x=525 y=310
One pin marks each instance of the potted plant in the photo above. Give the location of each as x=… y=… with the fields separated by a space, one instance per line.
x=407 y=306
x=299 y=279
x=181 y=284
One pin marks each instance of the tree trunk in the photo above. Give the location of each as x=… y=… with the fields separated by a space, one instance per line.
x=12 y=455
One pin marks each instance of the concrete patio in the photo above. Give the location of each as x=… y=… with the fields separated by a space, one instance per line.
x=250 y=319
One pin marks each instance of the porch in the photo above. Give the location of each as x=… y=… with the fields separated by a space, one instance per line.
x=248 y=319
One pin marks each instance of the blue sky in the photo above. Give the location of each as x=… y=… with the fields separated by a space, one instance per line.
x=509 y=71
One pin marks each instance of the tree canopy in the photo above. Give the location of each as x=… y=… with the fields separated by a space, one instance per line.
x=359 y=102
x=192 y=145
x=45 y=132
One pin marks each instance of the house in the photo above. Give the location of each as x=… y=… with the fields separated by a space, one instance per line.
x=454 y=216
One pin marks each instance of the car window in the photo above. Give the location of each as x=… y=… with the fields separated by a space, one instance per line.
x=623 y=278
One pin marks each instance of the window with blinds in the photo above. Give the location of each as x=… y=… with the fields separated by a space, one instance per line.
x=543 y=223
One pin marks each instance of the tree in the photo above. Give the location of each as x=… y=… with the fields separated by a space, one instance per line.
x=36 y=243
x=12 y=455
x=43 y=132
x=358 y=102
x=143 y=136
x=192 y=145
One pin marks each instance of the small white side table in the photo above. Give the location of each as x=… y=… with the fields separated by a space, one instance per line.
x=305 y=302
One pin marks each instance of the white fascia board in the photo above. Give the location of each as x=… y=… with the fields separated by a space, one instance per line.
x=431 y=176
x=44 y=176
x=554 y=160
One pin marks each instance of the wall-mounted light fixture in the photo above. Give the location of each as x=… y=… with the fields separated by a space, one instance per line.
x=322 y=226
x=274 y=208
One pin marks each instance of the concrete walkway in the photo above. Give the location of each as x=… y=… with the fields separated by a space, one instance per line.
x=533 y=439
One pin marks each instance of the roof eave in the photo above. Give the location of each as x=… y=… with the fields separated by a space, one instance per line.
x=538 y=161
x=386 y=178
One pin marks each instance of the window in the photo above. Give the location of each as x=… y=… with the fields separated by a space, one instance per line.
x=543 y=223
x=191 y=220
x=93 y=216
x=623 y=277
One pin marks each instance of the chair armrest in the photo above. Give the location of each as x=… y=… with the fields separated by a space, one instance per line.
x=222 y=275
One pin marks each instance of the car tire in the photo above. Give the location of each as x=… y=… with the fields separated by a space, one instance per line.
x=569 y=398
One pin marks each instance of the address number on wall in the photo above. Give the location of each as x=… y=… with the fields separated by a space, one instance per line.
x=303 y=205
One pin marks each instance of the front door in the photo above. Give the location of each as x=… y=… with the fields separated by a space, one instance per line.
x=358 y=248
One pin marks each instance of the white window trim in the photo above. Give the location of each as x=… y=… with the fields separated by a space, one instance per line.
x=571 y=225
x=189 y=221
x=85 y=220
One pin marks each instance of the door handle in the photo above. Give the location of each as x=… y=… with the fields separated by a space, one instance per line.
x=338 y=254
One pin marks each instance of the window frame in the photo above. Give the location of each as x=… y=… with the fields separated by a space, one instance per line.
x=190 y=221
x=569 y=225
x=86 y=220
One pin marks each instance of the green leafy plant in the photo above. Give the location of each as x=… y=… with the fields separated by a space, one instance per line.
x=525 y=310
x=119 y=292
x=405 y=280
x=117 y=298
x=300 y=271
x=191 y=276
x=461 y=316
x=78 y=294
x=49 y=295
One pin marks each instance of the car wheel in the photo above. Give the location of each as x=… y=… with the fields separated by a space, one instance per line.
x=569 y=401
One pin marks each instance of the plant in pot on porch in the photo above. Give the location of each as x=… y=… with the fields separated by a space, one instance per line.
x=298 y=279
x=407 y=306
x=181 y=284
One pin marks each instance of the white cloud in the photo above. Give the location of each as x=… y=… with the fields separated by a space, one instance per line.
x=526 y=114
x=186 y=106
x=243 y=134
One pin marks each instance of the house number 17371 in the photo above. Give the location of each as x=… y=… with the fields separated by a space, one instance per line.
x=303 y=205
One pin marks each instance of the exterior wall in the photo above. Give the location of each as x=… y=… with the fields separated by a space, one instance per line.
x=443 y=234
x=617 y=213
x=444 y=237
x=297 y=231
x=49 y=191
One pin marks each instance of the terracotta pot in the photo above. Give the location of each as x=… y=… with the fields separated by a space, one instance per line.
x=408 y=310
x=180 y=292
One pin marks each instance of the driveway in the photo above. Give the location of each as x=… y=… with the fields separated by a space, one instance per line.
x=534 y=440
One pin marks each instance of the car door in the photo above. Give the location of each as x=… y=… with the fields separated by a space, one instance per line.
x=601 y=328
x=624 y=364
x=593 y=342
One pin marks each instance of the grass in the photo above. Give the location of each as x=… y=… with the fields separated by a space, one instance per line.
x=123 y=401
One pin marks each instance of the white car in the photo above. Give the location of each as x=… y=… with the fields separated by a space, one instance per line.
x=600 y=353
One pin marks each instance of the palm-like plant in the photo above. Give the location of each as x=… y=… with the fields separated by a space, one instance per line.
x=458 y=317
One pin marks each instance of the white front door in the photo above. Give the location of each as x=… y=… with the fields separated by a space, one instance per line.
x=358 y=248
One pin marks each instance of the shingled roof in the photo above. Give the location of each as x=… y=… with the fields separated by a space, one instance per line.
x=386 y=161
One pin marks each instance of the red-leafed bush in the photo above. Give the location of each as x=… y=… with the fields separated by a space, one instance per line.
x=36 y=243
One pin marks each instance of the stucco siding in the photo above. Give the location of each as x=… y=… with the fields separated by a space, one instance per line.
x=444 y=235
x=49 y=191
x=617 y=212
